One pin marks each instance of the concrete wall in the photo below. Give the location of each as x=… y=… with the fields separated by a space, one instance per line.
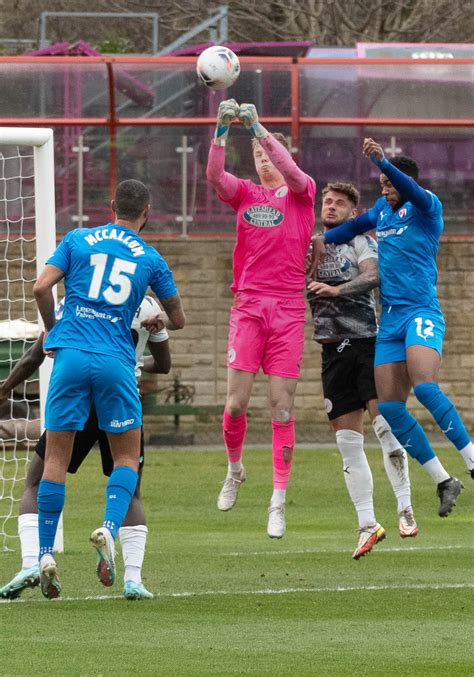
x=203 y=271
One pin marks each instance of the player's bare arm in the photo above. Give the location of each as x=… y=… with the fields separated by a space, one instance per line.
x=366 y=281
x=318 y=250
x=173 y=318
x=372 y=148
x=159 y=362
x=43 y=292
x=24 y=368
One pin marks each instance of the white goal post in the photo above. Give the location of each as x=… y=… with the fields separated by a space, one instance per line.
x=15 y=211
x=45 y=211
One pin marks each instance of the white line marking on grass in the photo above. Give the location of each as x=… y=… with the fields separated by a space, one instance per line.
x=378 y=550
x=264 y=591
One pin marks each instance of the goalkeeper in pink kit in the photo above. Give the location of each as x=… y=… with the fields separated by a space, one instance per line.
x=274 y=225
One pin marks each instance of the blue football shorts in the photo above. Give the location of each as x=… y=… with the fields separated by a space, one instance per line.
x=80 y=380
x=404 y=326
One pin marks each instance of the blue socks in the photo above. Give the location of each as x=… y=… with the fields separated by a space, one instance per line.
x=444 y=413
x=120 y=489
x=51 y=497
x=407 y=430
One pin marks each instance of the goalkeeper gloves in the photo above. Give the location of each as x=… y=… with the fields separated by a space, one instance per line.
x=249 y=117
x=228 y=111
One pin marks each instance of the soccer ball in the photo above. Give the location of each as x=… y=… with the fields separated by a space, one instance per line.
x=218 y=67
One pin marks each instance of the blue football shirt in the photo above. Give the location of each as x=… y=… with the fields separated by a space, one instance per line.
x=108 y=270
x=408 y=242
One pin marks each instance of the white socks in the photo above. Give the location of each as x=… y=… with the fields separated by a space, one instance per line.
x=133 y=541
x=468 y=455
x=278 y=498
x=357 y=475
x=395 y=462
x=435 y=470
x=234 y=468
x=29 y=539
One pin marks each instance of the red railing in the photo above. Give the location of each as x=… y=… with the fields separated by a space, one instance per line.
x=295 y=120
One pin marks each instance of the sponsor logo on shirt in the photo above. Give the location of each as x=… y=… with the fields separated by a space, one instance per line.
x=263 y=216
x=335 y=265
x=91 y=314
x=121 y=424
x=402 y=212
x=382 y=234
x=231 y=355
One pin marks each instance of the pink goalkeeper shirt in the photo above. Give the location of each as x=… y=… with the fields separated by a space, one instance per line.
x=274 y=226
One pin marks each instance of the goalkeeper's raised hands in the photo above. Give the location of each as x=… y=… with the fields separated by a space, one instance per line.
x=228 y=112
x=249 y=118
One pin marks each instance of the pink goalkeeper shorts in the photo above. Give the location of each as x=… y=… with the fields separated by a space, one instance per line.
x=267 y=332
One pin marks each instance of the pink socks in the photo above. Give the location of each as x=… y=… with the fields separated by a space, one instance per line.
x=234 y=429
x=283 y=446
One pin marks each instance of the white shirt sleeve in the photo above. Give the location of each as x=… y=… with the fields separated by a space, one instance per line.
x=365 y=248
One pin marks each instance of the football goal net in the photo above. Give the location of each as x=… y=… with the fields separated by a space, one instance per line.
x=27 y=239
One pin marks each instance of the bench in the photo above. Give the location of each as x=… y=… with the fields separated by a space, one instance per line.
x=178 y=409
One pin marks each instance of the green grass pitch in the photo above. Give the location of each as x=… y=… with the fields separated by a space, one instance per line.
x=229 y=600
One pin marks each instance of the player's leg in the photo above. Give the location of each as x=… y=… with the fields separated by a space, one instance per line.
x=28 y=576
x=67 y=410
x=281 y=360
x=51 y=496
x=281 y=394
x=133 y=536
x=393 y=385
x=234 y=426
x=118 y=408
x=423 y=366
x=28 y=511
x=121 y=486
x=345 y=390
x=244 y=351
x=358 y=479
x=394 y=455
x=396 y=467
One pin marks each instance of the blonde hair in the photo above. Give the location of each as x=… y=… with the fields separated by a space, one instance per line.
x=278 y=136
x=346 y=188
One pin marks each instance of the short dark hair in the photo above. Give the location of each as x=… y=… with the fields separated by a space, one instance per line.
x=276 y=135
x=406 y=165
x=131 y=198
x=344 y=187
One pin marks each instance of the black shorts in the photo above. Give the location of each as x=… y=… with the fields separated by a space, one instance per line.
x=83 y=443
x=347 y=373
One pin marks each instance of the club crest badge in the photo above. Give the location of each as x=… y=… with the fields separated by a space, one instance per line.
x=282 y=191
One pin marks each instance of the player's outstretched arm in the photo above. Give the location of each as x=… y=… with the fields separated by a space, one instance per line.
x=24 y=368
x=405 y=185
x=226 y=184
x=227 y=112
x=296 y=179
